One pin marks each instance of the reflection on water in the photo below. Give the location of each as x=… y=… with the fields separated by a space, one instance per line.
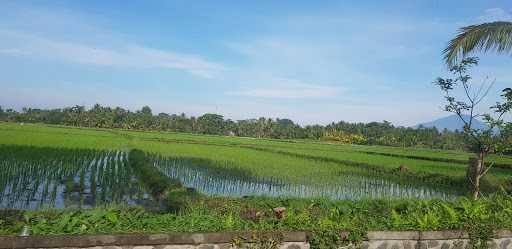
x=32 y=178
x=213 y=181
x=84 y=179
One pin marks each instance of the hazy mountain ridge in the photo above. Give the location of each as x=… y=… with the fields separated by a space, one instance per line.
x=452 y=123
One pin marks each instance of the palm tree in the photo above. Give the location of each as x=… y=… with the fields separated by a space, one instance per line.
x=493 y=36
x=485 y=37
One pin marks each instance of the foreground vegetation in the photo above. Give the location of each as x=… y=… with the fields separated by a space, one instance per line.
x=323 y=217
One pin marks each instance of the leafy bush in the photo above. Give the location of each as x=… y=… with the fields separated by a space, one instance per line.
x=324 y=218
x=180 y=198
x=156 y=182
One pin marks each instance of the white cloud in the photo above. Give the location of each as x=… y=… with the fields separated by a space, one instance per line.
x=127 y=55
x=192 y=63
x=332 y=52
x=337 y=48
x=12 y=52
x=288 y=89
x=496 y=14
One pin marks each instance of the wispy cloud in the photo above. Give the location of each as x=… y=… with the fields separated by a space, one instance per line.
x=337 y=48
x=288 y=89
x=12 y=52
x=126 y=55
x=496 y=14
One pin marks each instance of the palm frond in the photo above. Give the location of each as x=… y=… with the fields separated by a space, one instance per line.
x=494 y=36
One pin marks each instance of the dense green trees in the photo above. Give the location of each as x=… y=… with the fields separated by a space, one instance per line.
x=374 y=133
x=3 y=114
x=210 y=123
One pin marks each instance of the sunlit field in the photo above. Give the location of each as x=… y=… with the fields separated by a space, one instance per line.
x=76 y=167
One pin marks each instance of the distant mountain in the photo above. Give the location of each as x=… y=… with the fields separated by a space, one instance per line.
x=452 y=123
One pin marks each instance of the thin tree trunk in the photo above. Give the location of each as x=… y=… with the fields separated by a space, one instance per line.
x=474 y=174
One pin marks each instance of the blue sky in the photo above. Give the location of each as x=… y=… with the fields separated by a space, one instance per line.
x=305 y=60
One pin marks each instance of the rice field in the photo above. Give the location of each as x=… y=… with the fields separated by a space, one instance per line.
x=217 y=181
x=33 y=178
x=61 y=167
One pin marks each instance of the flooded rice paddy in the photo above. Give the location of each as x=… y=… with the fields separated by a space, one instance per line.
x=237 y=183
x=34 y=178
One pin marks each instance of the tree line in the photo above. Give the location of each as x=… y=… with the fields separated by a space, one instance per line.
x=373 y=133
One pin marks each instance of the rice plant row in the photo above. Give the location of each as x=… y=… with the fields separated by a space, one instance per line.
x=32 y=178
x=35 y=177
x=435 y=172
x=187 y=145
x=437 y=155
x=212 y=180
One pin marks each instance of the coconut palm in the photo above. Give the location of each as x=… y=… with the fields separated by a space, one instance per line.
x=493 y=36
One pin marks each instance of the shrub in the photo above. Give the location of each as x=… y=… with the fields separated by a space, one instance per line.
x=155 y=182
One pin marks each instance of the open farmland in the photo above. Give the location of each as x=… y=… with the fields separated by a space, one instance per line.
x=65 y=167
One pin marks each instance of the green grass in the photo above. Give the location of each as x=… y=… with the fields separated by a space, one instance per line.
x=291 y=161
x=224 y=214
x=154 y=180
x=60 y=137
x=317 y=145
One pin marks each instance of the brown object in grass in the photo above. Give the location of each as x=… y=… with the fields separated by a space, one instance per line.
x=402 y=169
x=279 y=212
x=251 y=214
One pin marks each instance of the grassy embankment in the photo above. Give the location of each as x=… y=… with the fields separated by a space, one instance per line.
x=324 y=218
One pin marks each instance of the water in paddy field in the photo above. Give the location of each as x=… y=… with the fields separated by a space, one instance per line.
x=73 y=181
x=33 y=178
x=213 y=181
